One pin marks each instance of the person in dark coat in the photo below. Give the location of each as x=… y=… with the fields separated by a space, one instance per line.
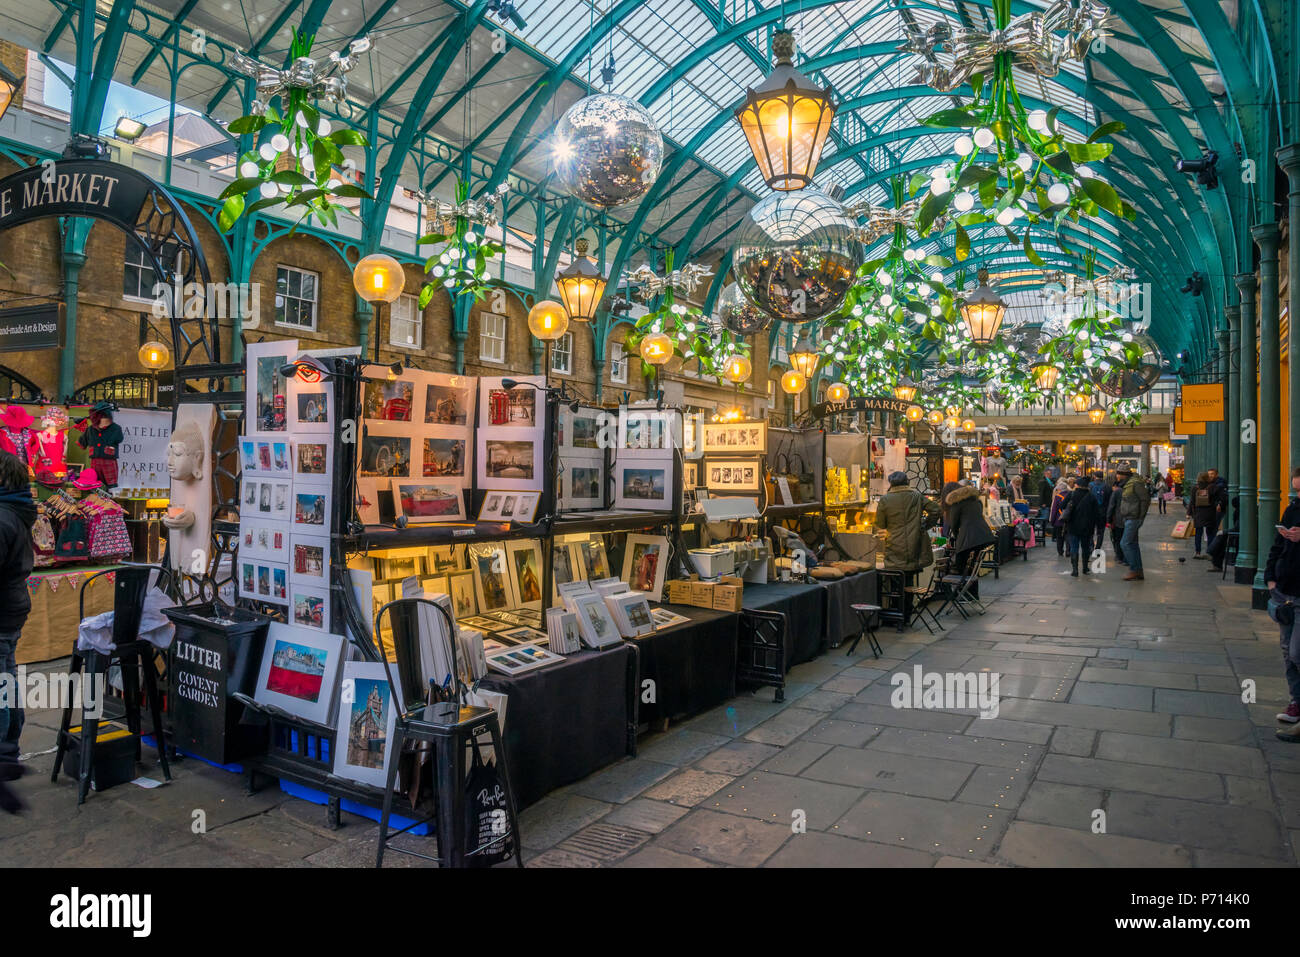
x=1080 y=521
x=968 y=529
x=1208 y=503
x=1113 y=520
x=1045 y=490
x=943 y=504
x=17 y=515
x=1282 y=575
x=1059 y=497
x=1103 y=508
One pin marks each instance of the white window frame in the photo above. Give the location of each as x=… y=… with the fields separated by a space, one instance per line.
x=567 y=368
x=315 y=303
x=142 y=267
x=484 y=337
x=414 y=319
x=618 y=364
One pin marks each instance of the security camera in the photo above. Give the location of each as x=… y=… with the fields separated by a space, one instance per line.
x=1205 y=169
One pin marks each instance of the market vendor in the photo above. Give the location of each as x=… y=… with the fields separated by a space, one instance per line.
x=101 y=437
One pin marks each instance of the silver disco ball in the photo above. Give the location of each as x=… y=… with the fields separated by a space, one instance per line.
x=739 y=314
x=607 y=150
x=796 y=255
x=1131 y=383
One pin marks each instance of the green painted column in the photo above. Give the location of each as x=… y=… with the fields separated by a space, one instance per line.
x=1223 y=441
x=365 y=315
x=1246 y=374
x=1288 y=157
x=73 y=260
x=1270 y=401
x=1232 y=424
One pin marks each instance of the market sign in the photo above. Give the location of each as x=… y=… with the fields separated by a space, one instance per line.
x=28 y=328
x=1183 y=427
x=70 y=187
x=1202 y=403
x=142 y=455
x=861 y=403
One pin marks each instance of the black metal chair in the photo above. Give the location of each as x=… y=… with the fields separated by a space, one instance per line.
x=451 y=727
x=922 y=596
x=1230 y=550
x=956 y=590
x=130 y=585
x=760 y=652
x=866 y=614
x=895 y=599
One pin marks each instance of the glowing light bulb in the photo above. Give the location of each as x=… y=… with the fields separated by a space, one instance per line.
x=1006 y=218
x=266 y=151
x=1085 y=172
x=268 y=190
x=939 y=185
x=323 y=127
x=886 y=300
x=1024 y=161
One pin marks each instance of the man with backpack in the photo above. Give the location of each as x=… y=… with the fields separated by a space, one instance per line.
x=1133 y=504
x=1208 y=503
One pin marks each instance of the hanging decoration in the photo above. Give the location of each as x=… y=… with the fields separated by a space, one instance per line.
x=461 y=267
x=682 y=330
x=295 y=164
x=738 y=314
x=796 y=255
x=1128 y=411
x=647 y=283
x=607 y=150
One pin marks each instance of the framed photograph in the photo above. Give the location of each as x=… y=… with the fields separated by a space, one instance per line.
x=445 y=455
x=460 y=586
x=632 y=611
x=426 y=502
x=384 y=455
x=309 y=560
x=645 y=429
x=580 y=430
x=735 y=438
x=643 y=483
x=445 y=558
x=300 y=671
x=267 y=390
x=385 y=399
x=525 y=558
x=448 y=399
x=311 y=509
x=595 y=563
x=313 y=461
x=491 y=577
x=733 y=475
x=599 y=630
x=309 y=607
x=690 y=475
x=262 y=539
x=509 y=462
x=525 y=635
x=645 y=562
x=518 y=409
x=367 y=714
x=520 y=658
x=401 y=565
x=311 y=406
x=581 y=480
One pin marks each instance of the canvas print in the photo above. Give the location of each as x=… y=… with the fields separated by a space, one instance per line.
x=423 y=502
x=508 y=459
x=446 y=405
x=444 y=457
x=365 y=725
x=491 y=577
x=299 y=671
x=388 y=400
x=526 y=567
x=385 y=456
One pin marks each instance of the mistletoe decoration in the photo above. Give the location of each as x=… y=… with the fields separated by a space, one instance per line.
x=692 y=335
x=294 y=167
x=1128 y=411
x=461 y=267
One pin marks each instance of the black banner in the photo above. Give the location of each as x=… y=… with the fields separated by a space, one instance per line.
x=94 y=188
x=28 y=328
x=861 y=403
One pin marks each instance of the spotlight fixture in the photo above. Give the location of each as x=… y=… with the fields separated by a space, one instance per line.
x=505 y=10
x=607 y=71
x=1195 y=283
x=128 y=129
x=1206 y=169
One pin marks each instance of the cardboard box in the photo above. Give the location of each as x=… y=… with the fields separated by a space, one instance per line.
x=679 y=591
x=701 y=594
x=727 y=594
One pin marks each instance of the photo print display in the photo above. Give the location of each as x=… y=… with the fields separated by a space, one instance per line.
x=566 y=565
x=643 y=483
x=426 y=502
x=646 y=429
x=733 y=475
x=368 y=499
x=448 y=399
x=311 y=406
x=645 y=564
x=509 y=507
x=264 y=456
x=582 y=480
x=491 y=577
x=460 y=586
x=384 y=455
x=525 y=559
x=309 y=606
x=264 y=581
x=735 y=437
x=261 y=539
x=445 y=457
x=266 y=500
x=300 y=671
x=690 y=475
x=385 y=398
x=518 y=409
x=309 y=560
x=367 y=715
x=313 y=461
x=599 y=630
x=595 y=563
x=506 y=462
x=311 y=509
x=445 y=558
x=267 y=390
x=579 y=431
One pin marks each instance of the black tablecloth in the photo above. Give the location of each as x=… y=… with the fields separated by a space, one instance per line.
x=841 y=620
x=567 y=720
x=804 y=607
x=692 y=665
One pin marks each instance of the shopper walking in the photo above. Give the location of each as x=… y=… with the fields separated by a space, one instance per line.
x=1103 y=510
x=1112 y=517
x=1162 y=494
x=17 y=514
x=904 y=514
x=1134 y=502
x=1208 y=503
x=1282 y=574
x=1080 y=520
x=1059 y=495
x=968 y=529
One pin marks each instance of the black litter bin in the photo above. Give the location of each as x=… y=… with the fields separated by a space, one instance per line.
x=217 y=651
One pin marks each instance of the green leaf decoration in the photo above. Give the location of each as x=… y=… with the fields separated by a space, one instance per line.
x=1089 y=152
x=962 y=243
x=947 y=119
x=346 y=137
x=231 y=210
x=241 y=186
x=1103 y=194
x=1031 y=254
x=1060 y=162
x=351 y=191
x=246 y=124
x=1106 y=129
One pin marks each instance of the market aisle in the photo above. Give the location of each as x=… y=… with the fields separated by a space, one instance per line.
x=1115 y=697
x=1119 y=698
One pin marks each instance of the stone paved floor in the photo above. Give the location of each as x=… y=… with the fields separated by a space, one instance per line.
x=1117 y=698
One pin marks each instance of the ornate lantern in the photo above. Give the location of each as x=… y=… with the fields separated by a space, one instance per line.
x=581 y=285
x=983 y=311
